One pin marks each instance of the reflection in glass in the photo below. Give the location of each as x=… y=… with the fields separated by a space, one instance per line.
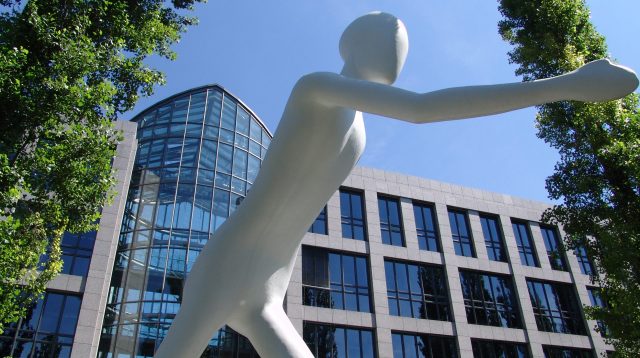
x=198 y=153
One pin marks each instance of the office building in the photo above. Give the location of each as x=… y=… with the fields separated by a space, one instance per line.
x=394 y=266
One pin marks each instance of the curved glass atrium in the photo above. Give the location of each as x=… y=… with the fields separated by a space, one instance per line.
x=198 y=154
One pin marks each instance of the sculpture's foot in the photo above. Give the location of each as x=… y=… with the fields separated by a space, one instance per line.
x=272 y=334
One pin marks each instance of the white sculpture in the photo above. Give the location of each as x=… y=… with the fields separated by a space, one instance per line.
x=241 y=276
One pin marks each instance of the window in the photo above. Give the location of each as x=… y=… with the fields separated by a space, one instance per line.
x=586 y=266
x=352 y=215
x=334 y=280
x=76 y=252
x=525 y=244
x=319 y=226
x=554 y=248
x=493 y=238
x=489 y=300
x=427 y=346
x=390 y=221
x=595 y=296
x=426 y=227
x=565 y=352
x=46 y=331
x=332 y=341
x=416 y=291
x=225 y=343
x=490 y=349
x=462 y=241
x=555 y=307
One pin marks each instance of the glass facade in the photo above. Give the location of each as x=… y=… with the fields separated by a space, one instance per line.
x=46 y=331
x=198 y=154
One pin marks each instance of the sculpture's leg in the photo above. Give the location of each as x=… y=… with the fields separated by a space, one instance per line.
x=272 y=334
x=190 y=333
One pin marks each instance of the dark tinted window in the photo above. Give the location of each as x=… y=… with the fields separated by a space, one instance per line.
x=555 y=250
x=417 y=291
x=334 y=280
x=426 y=227
x=407 y=345
x=319 y=226
x=565 y=352
x=352 y=215
x=493 y=238
x=333 y=341
x=46 y=331
x=555 y=307
x=489 y=300
x=525 y=244
x=586 y=266
x=460 y=233
x=390 y=221
x=494 y=349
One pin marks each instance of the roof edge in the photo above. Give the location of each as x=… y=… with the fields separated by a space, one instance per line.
x=194 y=89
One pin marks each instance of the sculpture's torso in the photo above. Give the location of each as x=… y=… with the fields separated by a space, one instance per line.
x=252 y=254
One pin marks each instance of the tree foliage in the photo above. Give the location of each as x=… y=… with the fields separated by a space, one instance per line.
x=68 y=69
x=598 y=176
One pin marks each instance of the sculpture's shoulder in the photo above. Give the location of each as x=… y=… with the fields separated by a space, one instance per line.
x=315 y=87
x=316 y=81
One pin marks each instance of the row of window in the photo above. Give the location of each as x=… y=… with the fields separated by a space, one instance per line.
x=47 y=330
x=335 y=341
x=352 y=214
x=341 y=281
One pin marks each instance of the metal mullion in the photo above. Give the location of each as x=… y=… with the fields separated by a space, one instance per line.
x=215 y=169
x=173 y=208
x=195 y=185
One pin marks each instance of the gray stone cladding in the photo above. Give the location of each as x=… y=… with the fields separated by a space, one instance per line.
x=442 y=195
x=95 y=287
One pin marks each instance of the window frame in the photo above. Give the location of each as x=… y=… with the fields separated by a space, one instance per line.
x=386 y=223
x=427 y=237
x=460 y=241
x=526 y=250
x=494 y=244
x=414 y=299
x=350 y=221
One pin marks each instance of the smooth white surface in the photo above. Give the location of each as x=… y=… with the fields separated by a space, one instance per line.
x=241 y=276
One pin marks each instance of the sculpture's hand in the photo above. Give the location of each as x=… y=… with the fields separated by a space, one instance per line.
x=601 y=80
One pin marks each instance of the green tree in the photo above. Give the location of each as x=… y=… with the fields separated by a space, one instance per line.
x=68 y=69
x=597 y=178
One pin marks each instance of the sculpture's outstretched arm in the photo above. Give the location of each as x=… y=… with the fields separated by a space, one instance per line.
x=597 y=81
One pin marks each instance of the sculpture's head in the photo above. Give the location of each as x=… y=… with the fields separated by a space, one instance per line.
x=374 y=47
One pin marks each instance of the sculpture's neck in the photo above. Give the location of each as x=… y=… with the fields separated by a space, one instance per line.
x=349 y=70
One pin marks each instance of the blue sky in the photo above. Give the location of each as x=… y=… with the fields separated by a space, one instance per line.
x=258 y=49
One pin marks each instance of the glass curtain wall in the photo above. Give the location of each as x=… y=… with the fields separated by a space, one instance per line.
x=198 y=154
